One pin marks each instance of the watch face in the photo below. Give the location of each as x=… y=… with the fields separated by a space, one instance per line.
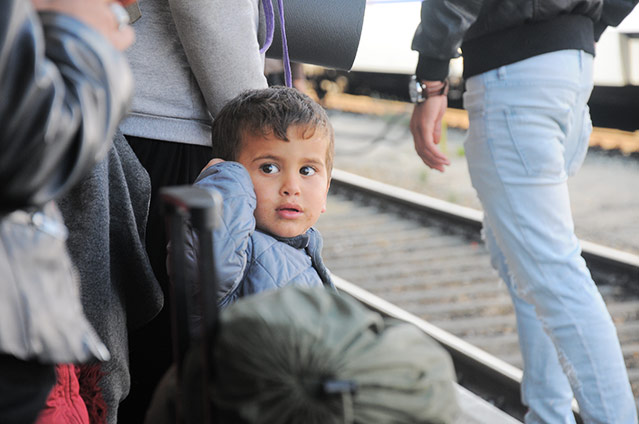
x=415 y=90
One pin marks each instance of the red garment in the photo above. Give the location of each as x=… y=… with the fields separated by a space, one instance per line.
x=65 y=405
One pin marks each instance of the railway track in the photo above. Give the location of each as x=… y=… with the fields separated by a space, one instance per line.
x=423 y=259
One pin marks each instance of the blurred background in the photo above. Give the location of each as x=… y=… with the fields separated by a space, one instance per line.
x=370 y=110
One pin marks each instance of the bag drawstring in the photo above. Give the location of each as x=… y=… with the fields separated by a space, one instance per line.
x=346 y=389
x=270 y=29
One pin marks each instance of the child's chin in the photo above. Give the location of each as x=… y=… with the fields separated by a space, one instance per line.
x=287 y=232
x=285 y=229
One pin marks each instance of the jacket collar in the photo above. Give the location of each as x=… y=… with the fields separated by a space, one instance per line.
x=298 y=242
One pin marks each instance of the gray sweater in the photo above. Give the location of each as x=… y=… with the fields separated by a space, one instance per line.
x=189 y=58
x=106 y=216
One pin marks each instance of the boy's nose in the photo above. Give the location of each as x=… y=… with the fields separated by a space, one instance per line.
x=290 y=186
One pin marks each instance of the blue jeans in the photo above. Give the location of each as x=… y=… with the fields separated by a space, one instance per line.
x=529 y=131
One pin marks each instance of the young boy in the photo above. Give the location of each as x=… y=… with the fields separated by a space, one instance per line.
x=273 y=151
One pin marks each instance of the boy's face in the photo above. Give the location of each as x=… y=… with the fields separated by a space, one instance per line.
x=290 y=179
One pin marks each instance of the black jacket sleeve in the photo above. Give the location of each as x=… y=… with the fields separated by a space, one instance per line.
x=63 y=90
x=440 y=33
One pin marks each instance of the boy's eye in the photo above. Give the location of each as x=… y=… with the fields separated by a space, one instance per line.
x=269 y=168
x=307 y=171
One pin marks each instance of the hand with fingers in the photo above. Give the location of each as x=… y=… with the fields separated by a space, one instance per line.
x=107 y=17
x=213 y=162
x=426 y=127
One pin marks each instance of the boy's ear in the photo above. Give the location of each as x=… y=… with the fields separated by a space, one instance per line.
x=328 y=186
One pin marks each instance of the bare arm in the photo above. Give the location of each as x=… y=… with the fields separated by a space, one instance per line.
x=426 y=127
x=437 y=39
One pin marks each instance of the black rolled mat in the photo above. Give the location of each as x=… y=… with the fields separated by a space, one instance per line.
x=320 y=32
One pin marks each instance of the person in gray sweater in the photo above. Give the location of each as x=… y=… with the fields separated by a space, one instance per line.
x=188 y=60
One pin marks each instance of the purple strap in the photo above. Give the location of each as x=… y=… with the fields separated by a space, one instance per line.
x=270 y=24
x=287 y=62
x=270 y=29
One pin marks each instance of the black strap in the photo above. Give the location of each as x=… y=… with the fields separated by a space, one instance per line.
x=192 y=349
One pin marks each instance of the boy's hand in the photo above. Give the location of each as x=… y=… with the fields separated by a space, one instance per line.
x=213 y=162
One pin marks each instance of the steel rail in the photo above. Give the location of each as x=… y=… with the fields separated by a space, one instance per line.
x=607 y=265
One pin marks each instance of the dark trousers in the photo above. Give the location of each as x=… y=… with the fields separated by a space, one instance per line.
x=24 y=388
x=151 y=346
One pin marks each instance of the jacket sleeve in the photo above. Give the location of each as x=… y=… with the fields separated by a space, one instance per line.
x=220 y=39
x=231 y=240
x=614 y=11
x=64 y=89
x=440 y=34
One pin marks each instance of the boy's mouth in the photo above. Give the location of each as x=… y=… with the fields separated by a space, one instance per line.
x=289 y=210
x=290 y=207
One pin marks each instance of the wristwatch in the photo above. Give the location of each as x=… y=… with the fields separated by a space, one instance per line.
x=420 y=91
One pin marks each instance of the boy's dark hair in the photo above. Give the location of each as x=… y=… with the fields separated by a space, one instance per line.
x=268 y=111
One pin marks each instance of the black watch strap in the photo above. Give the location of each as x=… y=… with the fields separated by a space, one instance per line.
x=420 y=91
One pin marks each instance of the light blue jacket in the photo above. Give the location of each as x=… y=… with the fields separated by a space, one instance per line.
x=248 y=260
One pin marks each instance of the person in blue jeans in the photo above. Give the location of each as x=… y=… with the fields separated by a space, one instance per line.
x=528 y=70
